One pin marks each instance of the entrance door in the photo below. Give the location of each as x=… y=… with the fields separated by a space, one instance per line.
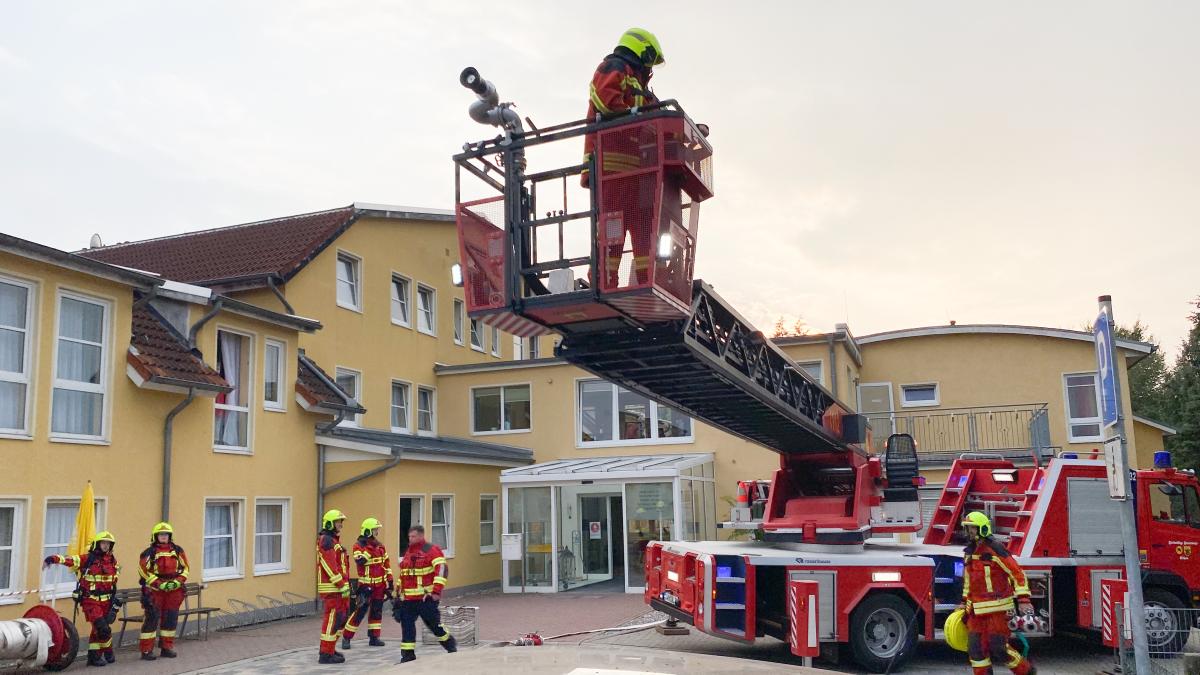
x=875 y=401
x=596 y=536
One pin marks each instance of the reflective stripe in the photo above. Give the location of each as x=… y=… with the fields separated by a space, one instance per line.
x=408 y=645
x=981 y=664
x=374 y=625
x=444 y=637
x=439 y=580
x=95 y=646
x=597 y=102
x=992 y=606
x=987 y=578
x=1014 y=657
x=146 y=636
x=167 y=633
x=418 y=592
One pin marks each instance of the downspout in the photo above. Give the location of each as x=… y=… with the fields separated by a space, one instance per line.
x=366 y=474
x=168 y=430
x=324 y=428
x=195 y=329
x=279 y=294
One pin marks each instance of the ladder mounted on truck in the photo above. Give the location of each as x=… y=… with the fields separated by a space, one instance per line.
x=614 y=277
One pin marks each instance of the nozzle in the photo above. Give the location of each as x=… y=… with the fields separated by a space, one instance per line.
x=471 y=79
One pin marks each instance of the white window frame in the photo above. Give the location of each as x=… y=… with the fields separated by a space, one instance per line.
x=460 y=315
x=281 y=404
x=477 y=331
x=535 y=348
x=19 y=550
x=248 y=408
x=1071 y=421
x=406 y=321
x=820 y=369
x=105 y=355
x=421 y=501
x=448 y=549
x=617 y=442
x=357 y=267
x=350 y=420
x=65 y=589
x=408 y=407
x=501 y=387
x=432 y=309
x=495 y=500
x=285 y=547
x=495 y=342
x=432 y=413
x=238 y=537
x=937 y=395
x=518 y=343
x=31 y=297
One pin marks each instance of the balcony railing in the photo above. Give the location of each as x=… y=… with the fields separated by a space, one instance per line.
x=942 y=434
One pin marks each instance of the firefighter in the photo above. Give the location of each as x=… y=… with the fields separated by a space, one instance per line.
x=375 y=583
x=97 y=571
x=991 y=578
x=164 y=570
x=423 y=574
x=333 y=584
x=621 y=84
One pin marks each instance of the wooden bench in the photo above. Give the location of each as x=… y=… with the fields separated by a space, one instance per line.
x=132 y=598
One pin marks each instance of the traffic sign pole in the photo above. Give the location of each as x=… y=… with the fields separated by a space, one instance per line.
x=1114 y=419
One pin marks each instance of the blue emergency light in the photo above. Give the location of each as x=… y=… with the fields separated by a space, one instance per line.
x=958 y=569
x=1162 y=459
x=724 y=571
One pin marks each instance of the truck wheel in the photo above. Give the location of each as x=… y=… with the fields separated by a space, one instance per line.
x=882 y=634
x=1166 y=627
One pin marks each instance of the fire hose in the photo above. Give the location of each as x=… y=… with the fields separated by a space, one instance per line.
x=42 y=637
x=534 y=640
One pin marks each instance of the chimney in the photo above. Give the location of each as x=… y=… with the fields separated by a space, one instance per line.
x=95 y=242
x=952 y=322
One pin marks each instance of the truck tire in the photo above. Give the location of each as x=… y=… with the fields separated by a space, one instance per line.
x=882 y=632
x=1166 y=625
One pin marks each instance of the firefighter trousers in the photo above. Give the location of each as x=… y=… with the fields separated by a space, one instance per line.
x=335 y=609
x=162 y=617
x=368 y=606
x=987 y=641
x=97 y=613
x=407 y=613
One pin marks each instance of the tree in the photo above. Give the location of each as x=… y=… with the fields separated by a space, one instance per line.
x=1147 y=380
x=1182 y=402
x=799 y=327
x=779 y=330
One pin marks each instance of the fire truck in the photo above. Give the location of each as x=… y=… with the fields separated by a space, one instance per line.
x=601 y=252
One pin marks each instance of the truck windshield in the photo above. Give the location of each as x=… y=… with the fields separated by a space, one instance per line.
x=1175 y=503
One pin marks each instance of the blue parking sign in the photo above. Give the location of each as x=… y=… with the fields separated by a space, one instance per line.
x=1106 y=367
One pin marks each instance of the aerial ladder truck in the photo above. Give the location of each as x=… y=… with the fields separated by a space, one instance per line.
x=609 y=268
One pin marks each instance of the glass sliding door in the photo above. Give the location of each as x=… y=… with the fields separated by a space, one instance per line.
x=530 y=513
x=650 y=516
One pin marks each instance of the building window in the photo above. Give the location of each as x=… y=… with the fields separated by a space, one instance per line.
x=231 y=428
x=610 y=415
x=10 y=534
x=814 y=369
x=79 y=370
x=458 y=321
x=495 y=341
x=274 y=374
x=476 y=335
x=518 y=348
x=400 y=397
x=401 y=295
x=271 y=525
x=441 y=524
x=1083 y=408
x=350 y=382
x=15 y=318
x=426 y=411
x=534 y=350
x=222 y=522
x=500 y=409
x=426 y=310
x=487 y=524
x=56 y=537
x=349 y=286
x=412 y=512
x=919 y=395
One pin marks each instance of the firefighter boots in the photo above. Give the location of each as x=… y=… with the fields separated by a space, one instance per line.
x=94 y=659
x=345 y=642
x=407 y=655
x=148 y=656
x=331 y=658
x=376 y=642
x=450 y=645
x=167 y=653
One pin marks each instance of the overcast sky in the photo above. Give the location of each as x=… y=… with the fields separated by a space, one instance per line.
x=890 y=164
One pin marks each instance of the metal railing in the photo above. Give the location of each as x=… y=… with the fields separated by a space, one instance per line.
x=1174 y=637
x=942 y=434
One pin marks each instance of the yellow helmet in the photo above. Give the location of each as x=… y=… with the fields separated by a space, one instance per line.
x=160 y=528
x=644 y=45
x=331 y=516
x=979 y=520
x=104 y=536
x=368 y=525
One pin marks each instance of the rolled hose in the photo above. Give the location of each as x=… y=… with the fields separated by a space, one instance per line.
x=955 y=630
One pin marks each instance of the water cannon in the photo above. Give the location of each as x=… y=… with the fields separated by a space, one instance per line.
x=488 y=109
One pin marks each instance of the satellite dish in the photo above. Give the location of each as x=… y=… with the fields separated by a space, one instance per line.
x=95 y=242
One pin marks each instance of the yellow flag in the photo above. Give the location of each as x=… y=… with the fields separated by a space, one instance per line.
x=85 y=523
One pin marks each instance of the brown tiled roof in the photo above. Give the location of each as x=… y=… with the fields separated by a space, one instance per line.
x=161 y=355
x=321 y=390
x=278 y=247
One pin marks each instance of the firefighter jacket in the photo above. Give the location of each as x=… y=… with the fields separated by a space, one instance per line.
x=991 y=577
x=333 y=565
x=99 y=579
x=374 y=566
x=423 y=571
x=619 y=84
x=161 y=563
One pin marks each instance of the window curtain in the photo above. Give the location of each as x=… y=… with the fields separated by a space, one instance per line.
x=60 y=524
x=268 y=544
x=228 y=429
x=218 y=539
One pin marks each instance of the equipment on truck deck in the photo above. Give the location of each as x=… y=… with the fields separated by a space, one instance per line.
x=41 y=638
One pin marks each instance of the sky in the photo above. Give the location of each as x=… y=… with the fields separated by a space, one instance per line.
x=886 y=164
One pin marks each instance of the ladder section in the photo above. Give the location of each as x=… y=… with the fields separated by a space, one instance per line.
x=1033 y=491
x=950 y=505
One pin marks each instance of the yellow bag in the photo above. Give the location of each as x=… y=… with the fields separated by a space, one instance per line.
x=956 y=630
